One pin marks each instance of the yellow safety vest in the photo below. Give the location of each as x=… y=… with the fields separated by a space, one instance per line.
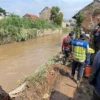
x=79 y=53
x=92 y=51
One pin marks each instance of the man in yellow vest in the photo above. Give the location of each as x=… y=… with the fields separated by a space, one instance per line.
x=80 y=50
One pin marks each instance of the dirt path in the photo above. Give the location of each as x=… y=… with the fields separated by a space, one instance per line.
x=66 y=89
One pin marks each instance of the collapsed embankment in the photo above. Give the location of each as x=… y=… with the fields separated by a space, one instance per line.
x=53 y=82
x=37 y=84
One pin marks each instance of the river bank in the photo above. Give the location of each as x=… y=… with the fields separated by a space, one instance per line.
x=54 y=83
x=24 y=58
x=15 y=29
x=38 y=81
x=29 y=34
x=18 y=60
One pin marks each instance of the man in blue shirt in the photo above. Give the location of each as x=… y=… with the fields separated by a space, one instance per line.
x=96 y=65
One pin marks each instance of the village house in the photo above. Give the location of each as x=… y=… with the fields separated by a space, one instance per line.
x=30 y=16
x=45 y=14
x=92 y=15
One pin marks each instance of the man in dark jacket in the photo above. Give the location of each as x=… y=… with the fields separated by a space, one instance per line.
x=97 y=40
x=96 y=65
x=96 y=37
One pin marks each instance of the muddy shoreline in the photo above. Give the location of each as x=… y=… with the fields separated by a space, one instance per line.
x=56 y=85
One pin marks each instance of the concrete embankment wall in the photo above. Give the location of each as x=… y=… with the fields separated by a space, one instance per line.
x=48 y=32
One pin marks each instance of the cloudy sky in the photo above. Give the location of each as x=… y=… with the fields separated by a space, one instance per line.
x=21 y=7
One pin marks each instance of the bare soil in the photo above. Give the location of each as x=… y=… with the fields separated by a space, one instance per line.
x=57 y=86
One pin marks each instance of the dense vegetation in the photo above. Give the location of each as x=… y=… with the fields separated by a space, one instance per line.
x=2 y=11
x=14 y=28
x=79 y=19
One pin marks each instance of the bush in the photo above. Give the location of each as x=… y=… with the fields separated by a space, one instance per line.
x=20 y=29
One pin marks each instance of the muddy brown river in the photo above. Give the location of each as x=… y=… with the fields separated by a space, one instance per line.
x=18 y=60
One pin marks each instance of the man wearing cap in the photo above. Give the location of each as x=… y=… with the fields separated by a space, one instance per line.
x=80 y=50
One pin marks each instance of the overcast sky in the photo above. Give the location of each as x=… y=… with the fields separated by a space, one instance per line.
x=21 y=7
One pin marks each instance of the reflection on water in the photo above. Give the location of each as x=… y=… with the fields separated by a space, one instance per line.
x=18 y=60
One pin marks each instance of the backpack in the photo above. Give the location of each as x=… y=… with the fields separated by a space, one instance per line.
x=67 y=40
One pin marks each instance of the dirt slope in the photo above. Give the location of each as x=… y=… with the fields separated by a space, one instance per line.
x=58 y=86
x=66 y=89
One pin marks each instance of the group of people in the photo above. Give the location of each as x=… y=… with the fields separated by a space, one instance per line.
x=84 y=55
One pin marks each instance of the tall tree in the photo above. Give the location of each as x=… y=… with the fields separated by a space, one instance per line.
x=56 y=15
x=79 y=20
x=2 y=11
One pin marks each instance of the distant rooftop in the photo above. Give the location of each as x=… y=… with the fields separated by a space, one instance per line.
x=31 y=16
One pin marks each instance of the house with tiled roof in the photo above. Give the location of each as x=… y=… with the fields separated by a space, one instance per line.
x=30 y=16
x=92 y=14
x=45 y=14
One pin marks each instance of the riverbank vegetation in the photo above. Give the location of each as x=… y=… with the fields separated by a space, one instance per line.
x=14 y=28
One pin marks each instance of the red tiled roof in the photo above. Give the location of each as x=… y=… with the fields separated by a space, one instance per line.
x=31 y=16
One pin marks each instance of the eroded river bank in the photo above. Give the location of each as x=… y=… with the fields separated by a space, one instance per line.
x=18 y=60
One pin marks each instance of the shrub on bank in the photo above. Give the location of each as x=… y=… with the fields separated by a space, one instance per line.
x=14 y=28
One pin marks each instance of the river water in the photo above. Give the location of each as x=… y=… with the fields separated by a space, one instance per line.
x=18 y=60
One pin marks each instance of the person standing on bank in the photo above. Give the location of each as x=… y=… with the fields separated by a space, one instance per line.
x=96 y=73
x=80 y=50
x=96 y=37
x=67 y=46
